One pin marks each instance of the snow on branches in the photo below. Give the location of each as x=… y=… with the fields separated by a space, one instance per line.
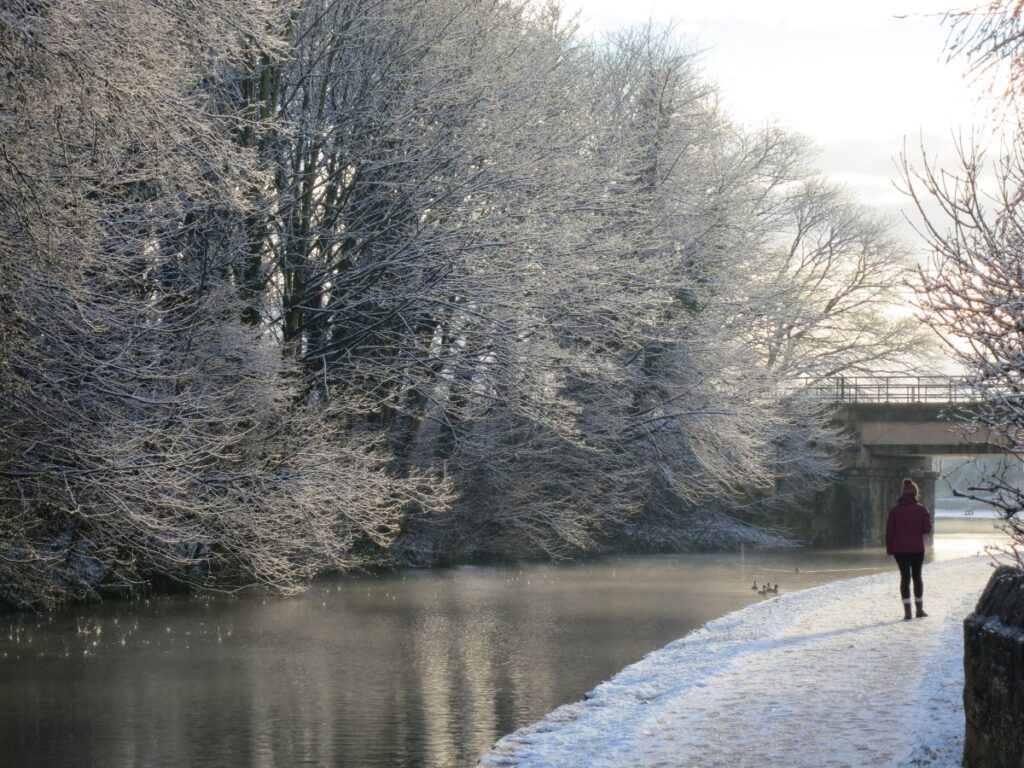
x=300 y=286
x=973 y=295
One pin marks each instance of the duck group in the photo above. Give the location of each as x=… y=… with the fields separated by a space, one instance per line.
x=765 y=589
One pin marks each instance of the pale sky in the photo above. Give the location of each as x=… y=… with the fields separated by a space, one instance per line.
x=851 y=76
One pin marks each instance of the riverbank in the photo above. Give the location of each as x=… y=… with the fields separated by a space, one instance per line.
x=830 y=676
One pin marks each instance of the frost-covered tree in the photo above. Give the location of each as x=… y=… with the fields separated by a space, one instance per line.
x=146 y=432
x=974 y=293
x=682 y=414
x=699 y=413
x=427 y=240
x=288 y=283
x=828 y=287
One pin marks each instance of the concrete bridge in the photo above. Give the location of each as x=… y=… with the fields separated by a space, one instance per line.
x=896 y=425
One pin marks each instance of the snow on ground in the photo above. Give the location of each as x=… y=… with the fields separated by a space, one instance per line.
x=829 y=676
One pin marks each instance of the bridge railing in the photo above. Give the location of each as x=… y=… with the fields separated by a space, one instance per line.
x=892 y=389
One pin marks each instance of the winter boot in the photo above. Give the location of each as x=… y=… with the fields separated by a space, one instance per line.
x=906 y=609
x=920 y=610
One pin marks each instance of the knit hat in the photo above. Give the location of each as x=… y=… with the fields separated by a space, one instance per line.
x=909 y=486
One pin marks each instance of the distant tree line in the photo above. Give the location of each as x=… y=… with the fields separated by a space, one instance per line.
x=296 y=286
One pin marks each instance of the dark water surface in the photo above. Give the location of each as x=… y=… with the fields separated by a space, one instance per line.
x=424 y=668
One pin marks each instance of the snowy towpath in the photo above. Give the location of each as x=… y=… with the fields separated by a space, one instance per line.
x=829 y=676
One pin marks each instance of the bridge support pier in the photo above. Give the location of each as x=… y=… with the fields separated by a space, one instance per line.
x=853 y=511
x=856 y=508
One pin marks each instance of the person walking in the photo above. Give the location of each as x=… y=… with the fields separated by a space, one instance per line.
x=905 y=529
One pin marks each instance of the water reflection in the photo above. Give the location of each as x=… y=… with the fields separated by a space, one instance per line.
x=412 y=669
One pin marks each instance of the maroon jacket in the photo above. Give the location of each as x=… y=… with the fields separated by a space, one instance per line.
x=907 y=525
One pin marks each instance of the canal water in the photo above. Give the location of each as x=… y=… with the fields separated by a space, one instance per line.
x=418 y=668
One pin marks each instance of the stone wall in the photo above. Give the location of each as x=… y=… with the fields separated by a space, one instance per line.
x=994 y=674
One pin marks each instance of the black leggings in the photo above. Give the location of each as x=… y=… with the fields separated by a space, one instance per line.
x=910 y=563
